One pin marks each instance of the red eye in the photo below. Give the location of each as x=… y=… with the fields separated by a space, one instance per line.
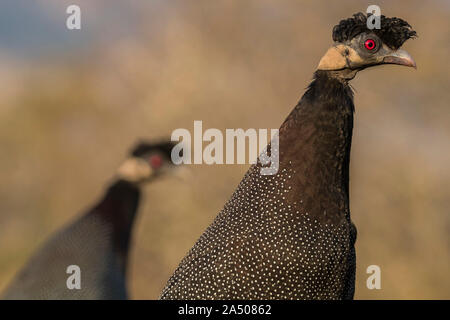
x=155 y=162
x=369 y=44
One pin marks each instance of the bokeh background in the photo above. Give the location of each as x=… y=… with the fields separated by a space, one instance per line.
x=73 y=102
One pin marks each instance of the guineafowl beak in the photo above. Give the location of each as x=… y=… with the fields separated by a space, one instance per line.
x=400 y=57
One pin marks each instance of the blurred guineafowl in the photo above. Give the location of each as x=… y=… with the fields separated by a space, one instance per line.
x=289 y=235
x=98 y=242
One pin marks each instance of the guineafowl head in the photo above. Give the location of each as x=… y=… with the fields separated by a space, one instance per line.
x=147 y=161
x=356 y=47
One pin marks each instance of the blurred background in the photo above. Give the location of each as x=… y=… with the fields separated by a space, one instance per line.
x=72 y=103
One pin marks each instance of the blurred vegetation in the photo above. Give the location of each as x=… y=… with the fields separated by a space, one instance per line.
x=67 y=120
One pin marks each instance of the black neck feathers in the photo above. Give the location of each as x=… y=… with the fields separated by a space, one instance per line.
x=332 y=89
x=315 y=142
x=118 y=209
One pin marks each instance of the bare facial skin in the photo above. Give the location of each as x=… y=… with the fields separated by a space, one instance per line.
x=135 y=170
x=355 y=56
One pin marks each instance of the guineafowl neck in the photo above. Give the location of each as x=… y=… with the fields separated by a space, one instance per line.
x=118 y=209
x=315 y=142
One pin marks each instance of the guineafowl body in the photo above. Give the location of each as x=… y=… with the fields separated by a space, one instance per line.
x=290 y=235
x=95 y=247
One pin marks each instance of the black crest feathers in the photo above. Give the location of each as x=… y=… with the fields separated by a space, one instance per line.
x=143 y=147
x=394 y=31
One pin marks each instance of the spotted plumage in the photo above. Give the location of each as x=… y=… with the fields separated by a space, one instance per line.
x=286 y=236
x=97 y=243
x=290 y=236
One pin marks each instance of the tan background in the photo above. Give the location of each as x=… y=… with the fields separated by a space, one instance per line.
x=69 y=114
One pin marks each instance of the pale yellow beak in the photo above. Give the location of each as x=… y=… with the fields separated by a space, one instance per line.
x=400 y=57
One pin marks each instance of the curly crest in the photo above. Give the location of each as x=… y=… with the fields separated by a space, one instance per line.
x=394 y=31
